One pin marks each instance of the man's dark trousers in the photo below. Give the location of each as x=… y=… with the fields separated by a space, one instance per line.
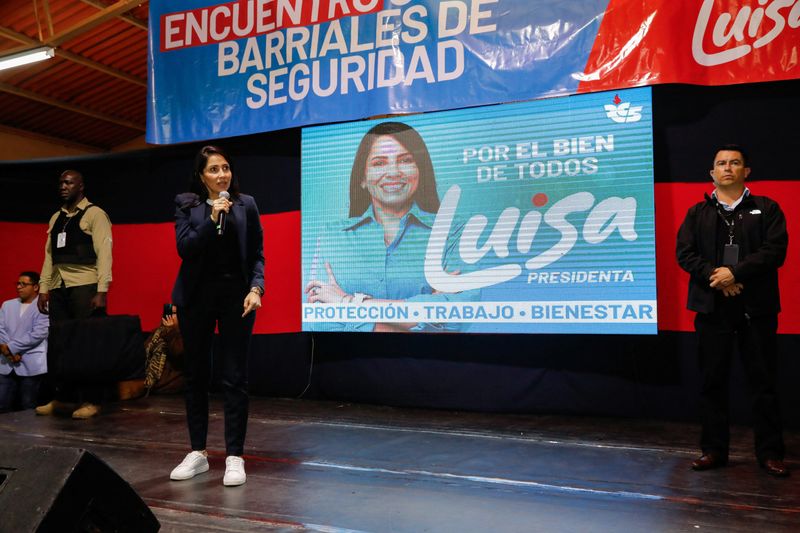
x=756 y=338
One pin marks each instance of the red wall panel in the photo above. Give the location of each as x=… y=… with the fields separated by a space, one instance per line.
x=672 y=202
x=145 y=262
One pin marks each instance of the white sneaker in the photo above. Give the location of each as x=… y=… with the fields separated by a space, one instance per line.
x=234 y=471
x=194 y=463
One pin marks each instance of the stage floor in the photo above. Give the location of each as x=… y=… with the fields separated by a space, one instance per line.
x=334 y=467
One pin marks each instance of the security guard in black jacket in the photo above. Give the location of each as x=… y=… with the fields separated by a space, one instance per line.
x=732 y=245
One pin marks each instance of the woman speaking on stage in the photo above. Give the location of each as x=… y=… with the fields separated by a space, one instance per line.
x=219 y=285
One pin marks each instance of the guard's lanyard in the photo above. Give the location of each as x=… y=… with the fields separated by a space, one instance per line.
x=729 y=221
x=730 y=252
x=61 y=237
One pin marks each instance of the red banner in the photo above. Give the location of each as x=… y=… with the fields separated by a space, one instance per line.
x=708 y=42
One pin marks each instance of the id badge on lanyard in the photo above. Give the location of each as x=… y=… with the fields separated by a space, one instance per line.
x=730 y=255
x=61 y=237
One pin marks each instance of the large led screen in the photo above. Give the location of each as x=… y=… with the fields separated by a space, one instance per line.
x=533 y=217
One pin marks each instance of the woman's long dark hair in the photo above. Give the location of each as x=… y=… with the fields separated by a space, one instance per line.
x=426 y=196
x=197 y=186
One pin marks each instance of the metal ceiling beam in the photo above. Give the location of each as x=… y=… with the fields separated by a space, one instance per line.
x=51 y=139
x=75 y=58
x=12 y=35
x=8 y=88
x=93 y=21
x=133 y=21
x=49 y=17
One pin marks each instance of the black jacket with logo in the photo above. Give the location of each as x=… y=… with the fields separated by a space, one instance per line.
x=760 y=232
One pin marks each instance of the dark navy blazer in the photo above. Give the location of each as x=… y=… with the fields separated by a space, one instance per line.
x=194 y=231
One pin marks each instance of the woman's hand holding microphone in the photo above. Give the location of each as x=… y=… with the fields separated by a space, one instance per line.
x=220 y=205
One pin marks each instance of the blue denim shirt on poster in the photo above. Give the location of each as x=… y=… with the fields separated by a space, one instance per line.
x=362 y=262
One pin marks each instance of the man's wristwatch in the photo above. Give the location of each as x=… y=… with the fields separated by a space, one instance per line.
x=257 y=290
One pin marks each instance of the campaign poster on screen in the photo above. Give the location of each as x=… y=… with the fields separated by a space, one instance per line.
x=533 y=217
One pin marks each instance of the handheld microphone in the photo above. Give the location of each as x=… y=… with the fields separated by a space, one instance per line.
x=221 y=224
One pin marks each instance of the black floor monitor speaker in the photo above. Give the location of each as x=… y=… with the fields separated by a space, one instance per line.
x=47 y=488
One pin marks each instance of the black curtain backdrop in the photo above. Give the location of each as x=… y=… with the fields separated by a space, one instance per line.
x=138 y=187
x=631 y=376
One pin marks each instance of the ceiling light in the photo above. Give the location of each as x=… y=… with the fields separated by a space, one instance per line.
x=28 y=56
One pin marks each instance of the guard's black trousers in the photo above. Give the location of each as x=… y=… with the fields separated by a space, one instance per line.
x=756 y=338
x=75 y=303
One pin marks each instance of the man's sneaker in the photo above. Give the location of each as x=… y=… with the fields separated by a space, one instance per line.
x=86 y=410
x=194 y=463
x=234 y=471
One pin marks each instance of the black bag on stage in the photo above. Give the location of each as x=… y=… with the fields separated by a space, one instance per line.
x=96 y=350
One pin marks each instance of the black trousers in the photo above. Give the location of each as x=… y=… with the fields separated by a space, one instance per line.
x=75 y=303
x=72 y=303
x=220 y=305
x=756 y=339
